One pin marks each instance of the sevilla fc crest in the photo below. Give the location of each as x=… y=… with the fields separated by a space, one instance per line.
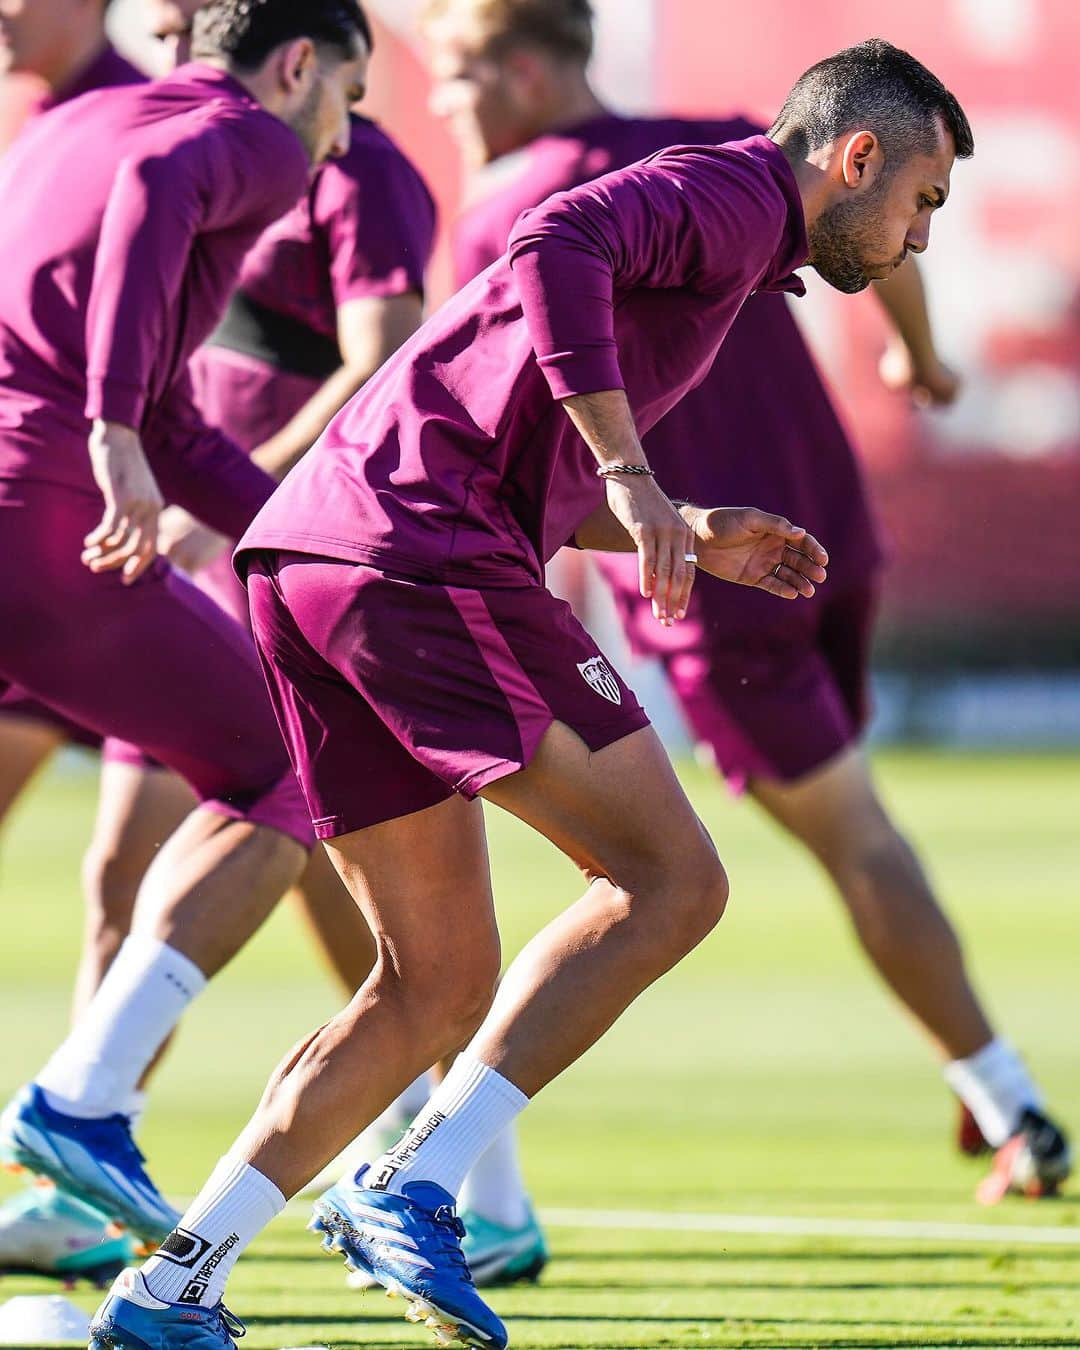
x=598 y=675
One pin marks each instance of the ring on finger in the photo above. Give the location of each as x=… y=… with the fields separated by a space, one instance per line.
x=690 y=558
x=776 y=570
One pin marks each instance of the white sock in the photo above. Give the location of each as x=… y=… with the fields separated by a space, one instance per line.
x=134 y=1108
x=194 y=1262
x=995 y=1086
x=494 y=1187
x=470 y=1107
x=140 y=1000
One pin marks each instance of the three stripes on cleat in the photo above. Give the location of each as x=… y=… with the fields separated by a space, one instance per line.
x=417 y=1311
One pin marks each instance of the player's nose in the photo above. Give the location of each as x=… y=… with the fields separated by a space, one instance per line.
x=340 y=144
x=918 y=237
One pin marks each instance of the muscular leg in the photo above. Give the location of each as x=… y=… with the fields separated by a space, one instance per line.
x=422 y=883
x=335 y=922
x=657 y=888
x=837 y=814
x=213 y=884
x=138 y=808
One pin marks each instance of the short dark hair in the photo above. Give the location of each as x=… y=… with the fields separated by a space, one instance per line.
x=562 y=27
x=247 y=31
x=877 y=86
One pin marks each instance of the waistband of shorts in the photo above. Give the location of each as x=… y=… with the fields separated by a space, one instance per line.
x=280 y=341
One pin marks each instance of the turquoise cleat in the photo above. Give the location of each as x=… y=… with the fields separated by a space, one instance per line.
x=411 y=1244
x=131 y=1318
x=498 y=1255
x=45 y=1231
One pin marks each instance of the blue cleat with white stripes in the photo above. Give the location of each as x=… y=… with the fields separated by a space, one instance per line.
x=411 y=1244
x=131 y=1318
x=94 y=1160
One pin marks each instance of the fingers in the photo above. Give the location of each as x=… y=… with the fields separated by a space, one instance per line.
x=778 y=585
x=128 y=548
x=681 y=602
x=673 y=577
x=105 y=530
x=646 y=563
x=798 y=561
x=795 y=575
x=810 y=547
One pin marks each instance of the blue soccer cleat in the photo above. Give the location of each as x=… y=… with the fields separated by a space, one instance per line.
x=498 y=1255
x=131 y=1318
x=46 y=1231
x=411 y=1244
x=94 y=1160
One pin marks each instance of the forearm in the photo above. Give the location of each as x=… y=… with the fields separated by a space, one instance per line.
x=288 y=446
x=606 y=425
x=370 y=331
x=903 y=298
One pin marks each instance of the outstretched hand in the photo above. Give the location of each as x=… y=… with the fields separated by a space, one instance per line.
x=755 y=548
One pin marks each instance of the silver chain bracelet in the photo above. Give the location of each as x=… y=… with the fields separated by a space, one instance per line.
x=610 y=470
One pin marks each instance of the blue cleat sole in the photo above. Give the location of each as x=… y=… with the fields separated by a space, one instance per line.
x=339 y=1236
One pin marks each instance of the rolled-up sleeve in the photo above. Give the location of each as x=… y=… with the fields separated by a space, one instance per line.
x=689 y=217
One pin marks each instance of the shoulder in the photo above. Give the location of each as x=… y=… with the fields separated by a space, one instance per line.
x=745 y=172
x=256 y=147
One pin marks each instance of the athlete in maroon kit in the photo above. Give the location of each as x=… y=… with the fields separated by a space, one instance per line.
x=778 y=695
x=101 y=306
x=63 y=45
x=398 y=601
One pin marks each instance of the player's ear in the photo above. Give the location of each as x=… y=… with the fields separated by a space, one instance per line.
x=297 y=64
x=861 y=159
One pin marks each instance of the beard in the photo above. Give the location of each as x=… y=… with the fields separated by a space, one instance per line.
x=306 y=122
x=845 y=238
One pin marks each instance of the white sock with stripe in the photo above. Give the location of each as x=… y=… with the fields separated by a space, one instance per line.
x=469 y=1109
x=142 y=997
x=996 y=1087
x=194 y=1262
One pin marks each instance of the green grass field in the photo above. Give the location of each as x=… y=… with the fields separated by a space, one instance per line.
x=769 y=1078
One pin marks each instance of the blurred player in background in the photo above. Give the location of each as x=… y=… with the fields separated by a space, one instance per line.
x=778 y=694
x=177 y=181
x=396 y=583
x=171 y=23
x=57 y=50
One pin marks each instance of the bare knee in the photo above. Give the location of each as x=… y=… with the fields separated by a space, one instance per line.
x=444 y=992
x=677 y=892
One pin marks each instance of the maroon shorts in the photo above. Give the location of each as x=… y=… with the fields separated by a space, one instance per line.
x=393 y=693
x=19 y=706
x=155 y=664
x=774 y=688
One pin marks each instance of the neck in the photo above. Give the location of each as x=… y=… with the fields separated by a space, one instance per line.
x=571 y=100
x=811 y=180
x=82 y=51
x=262 y=87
